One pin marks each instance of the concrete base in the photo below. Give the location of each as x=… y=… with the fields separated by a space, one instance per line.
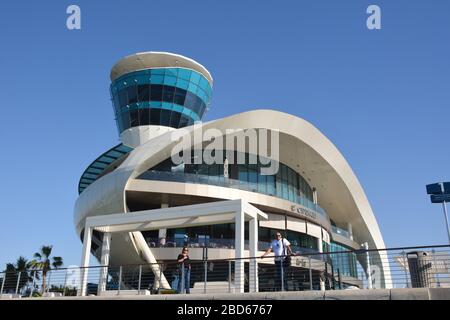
x=375 y=294
x=410 y=294
x=110 y=293
x=10 y=296
x=439 y=293
x=52 y=294
x=213 y=287
x=292 y=295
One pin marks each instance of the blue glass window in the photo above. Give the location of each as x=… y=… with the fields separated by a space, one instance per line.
x=132 y=94
x=284 y=184
x=175 y=119
x=168 y=93
x=184 y=121
x=156 y=92
x=165 y=117
x=155 y=115
x=179 y=96
x=143 y=93
x=144 y=116
x=168 y=88
x=243 y=174
x=195 y=77
x=172 y=72
x=184 y=74
x=134 y=118
x=171 y=81
x=122 y=98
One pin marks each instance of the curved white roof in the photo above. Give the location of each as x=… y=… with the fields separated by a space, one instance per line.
x=153 y=59
x=302 y=146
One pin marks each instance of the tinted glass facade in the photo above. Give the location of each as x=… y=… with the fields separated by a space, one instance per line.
x=173 y=97
x=101 y=165
x=223 y=236
x=300 y=242
x=286 y=184
x=345 y=262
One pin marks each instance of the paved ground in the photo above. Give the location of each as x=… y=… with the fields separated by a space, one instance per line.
x=376 y=294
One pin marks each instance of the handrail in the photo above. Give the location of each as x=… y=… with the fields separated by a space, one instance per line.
x=359 y=251
x=223 y=182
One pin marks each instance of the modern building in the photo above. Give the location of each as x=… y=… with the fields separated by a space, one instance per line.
x=314 y=198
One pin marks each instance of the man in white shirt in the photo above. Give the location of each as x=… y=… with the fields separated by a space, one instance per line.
x=281 y=248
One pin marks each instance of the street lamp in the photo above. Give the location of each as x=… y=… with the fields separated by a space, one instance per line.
x=440 y=193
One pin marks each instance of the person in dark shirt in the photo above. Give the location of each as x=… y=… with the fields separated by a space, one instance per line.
x=184 y=270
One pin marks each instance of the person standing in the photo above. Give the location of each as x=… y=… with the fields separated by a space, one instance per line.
x=184 y=270
x=281 y=248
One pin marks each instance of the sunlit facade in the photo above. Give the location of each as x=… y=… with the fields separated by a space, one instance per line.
x=314 y=199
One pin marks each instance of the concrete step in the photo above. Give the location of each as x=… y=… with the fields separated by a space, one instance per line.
x=10 y=296
x=213 y=287
x=124 y=293
x=52 y=294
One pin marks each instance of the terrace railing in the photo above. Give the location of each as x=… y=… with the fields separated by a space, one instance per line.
x=407 y=267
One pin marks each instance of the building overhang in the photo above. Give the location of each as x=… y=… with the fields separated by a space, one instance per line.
x=154 y=59
x=145 y=188
x=302 y=147
x=186 y=216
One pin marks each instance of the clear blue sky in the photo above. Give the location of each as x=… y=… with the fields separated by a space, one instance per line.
x=380 y=96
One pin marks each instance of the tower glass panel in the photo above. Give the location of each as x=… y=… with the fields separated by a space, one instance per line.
x=172 y=97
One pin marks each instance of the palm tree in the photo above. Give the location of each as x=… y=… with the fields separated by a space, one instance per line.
x=12 y=274
x=43 y=263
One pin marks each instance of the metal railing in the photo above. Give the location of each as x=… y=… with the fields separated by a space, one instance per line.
x=229 y=183
x=214 y=243
x=192 y=242
x=408 y=267
x=341 y=231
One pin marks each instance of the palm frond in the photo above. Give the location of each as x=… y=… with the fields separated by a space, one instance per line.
x=46 y=251
x=37 y=265
x=21 y=263
x=10 y=267
x=57 y=262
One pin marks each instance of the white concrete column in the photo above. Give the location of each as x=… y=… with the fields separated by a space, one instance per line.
x=319 y=245
x=162 y=233
x=315 y=195
x=368 y=270
x=85 y=259
x=350 y=230
x=104 y=261
x=253 y=268
x=239 y=252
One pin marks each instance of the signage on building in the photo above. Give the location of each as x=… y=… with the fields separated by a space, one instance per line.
x=304 y=212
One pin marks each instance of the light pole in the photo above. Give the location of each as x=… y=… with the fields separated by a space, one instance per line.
x=440 y=193
x=444 y=204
